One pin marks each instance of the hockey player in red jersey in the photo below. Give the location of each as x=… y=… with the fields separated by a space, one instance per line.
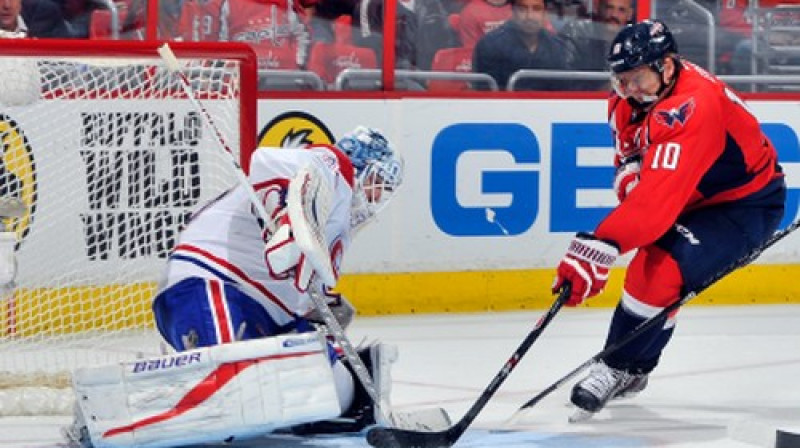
x=270 y=24
x=700 y=186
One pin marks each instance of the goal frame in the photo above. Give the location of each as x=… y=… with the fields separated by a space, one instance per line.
x=110 y=49
x=45 y=391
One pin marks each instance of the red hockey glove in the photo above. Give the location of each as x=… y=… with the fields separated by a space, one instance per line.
x=585 y=266
x=284 y=258
x=628 y=141
x=627 y=177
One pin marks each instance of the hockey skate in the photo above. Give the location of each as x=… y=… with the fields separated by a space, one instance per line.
x=378 y=359
x=603 y=384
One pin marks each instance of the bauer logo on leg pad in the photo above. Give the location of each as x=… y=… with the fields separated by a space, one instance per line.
x=299 y=341
x=169 y=362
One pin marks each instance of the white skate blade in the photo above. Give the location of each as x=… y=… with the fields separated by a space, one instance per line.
x=580 y=416
x=11 y=207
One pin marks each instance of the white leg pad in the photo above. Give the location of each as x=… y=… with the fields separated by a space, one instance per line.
x=232 y=391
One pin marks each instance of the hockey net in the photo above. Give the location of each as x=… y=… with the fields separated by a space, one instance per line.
x=110 y=157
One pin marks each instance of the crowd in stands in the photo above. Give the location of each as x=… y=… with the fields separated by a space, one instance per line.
x=492 y=37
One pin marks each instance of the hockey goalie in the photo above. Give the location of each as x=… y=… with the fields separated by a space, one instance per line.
x=234 y=305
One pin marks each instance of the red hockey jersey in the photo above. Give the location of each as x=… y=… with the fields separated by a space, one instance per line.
x=255 y=21
x=701 y=146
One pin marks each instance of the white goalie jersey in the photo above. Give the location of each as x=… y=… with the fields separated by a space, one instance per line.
x=226 y=241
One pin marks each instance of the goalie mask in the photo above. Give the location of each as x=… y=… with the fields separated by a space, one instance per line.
x=378 y=172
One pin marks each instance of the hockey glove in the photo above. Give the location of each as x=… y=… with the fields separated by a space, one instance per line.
x=627 y=177
x=586 y=267
x=284 y=258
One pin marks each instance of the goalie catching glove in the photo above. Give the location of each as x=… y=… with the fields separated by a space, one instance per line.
x=284 y=257
x=585 y=267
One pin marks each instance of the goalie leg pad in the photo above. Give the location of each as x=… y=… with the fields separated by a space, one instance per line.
x=214 y=394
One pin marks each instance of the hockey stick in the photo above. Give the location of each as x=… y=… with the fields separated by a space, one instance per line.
x=307 y=237
x=172 y=64
x=659 y=318
x=400 y=438
x=308 y=202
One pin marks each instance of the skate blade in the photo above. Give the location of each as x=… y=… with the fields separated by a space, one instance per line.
x=580 y=415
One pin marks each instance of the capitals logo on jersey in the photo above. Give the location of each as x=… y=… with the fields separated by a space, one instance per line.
x=680 y=114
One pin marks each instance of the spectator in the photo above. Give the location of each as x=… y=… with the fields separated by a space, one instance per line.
x=276 y=23
x=523 y=42
x=12 y=25
x=590 y=38
x=481 y=16
x=33 y=18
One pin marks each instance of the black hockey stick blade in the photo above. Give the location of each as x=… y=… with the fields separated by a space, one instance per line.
x=382 y=437
x=660 y=317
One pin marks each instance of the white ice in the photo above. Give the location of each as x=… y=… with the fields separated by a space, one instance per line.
x=730 y=377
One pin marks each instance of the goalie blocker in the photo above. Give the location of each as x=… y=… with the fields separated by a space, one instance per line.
x=221 y=393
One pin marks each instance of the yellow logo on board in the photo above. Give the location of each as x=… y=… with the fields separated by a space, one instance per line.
x=295 y=129
x=17 y=173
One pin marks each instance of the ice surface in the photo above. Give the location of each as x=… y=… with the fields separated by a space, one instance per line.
x=725 y=366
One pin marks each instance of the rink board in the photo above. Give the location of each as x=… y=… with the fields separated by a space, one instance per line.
x=543 y=166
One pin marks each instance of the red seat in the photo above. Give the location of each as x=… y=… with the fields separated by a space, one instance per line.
x=457 y=59
x=328 y=60
x=100 y=24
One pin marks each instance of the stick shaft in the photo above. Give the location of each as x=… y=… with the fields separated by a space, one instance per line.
x=662 y=315
x=395 y=438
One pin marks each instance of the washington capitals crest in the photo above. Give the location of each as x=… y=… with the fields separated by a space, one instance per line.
x=680 y=114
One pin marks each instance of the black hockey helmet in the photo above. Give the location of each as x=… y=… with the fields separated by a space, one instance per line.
x=643 y=43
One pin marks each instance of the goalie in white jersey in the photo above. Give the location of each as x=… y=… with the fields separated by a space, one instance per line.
x=225 y=249
x=232 y=278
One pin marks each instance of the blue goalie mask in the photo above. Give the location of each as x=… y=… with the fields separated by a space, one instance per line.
x=378 y=172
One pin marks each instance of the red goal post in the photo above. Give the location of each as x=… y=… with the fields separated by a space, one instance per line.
x=110 y=157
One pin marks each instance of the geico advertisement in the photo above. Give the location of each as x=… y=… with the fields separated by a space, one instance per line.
x=489 y=184
x=494 y=184
x=108 y=184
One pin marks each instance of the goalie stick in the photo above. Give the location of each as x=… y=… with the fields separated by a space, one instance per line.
x=302 y=212
x=308 y=207
x=403 y=438
x=172 y=64
x=660 y=317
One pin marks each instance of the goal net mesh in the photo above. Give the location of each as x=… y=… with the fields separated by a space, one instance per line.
x=110 y=157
